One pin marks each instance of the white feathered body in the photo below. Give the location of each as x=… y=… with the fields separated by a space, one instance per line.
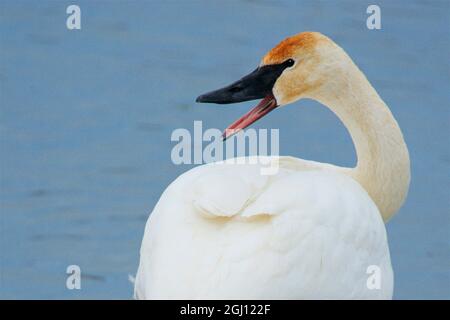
x=223 y=231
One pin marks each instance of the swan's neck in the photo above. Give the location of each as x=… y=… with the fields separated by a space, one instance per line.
x=383 y=161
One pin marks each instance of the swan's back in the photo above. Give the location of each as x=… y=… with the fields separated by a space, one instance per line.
x=228 y=232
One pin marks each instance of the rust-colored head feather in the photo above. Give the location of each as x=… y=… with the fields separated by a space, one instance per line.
x=305 y=41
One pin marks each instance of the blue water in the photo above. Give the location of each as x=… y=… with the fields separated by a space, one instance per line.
x=86 y=118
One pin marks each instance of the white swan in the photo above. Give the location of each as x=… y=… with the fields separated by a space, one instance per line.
x=310 y=231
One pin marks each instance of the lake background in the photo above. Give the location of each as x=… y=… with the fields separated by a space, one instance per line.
x=86 y=118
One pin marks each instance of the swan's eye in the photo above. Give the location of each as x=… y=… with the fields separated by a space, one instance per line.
x=289 y=62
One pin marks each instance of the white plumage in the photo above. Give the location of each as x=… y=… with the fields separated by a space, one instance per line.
x=224 y=231
x=263 y=237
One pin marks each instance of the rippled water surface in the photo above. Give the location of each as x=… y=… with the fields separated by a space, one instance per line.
x=86 y=118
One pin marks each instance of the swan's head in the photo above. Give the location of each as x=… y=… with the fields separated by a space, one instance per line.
x=293 y=69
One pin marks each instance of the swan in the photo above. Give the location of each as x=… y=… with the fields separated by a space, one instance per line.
x=310 y=231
